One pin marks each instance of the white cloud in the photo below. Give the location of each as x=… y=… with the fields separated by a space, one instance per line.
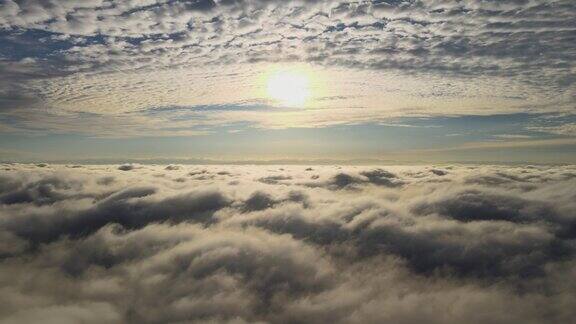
x=287 y=243
x=420 y=57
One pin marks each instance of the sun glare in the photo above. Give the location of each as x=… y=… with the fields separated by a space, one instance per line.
x=289 y=88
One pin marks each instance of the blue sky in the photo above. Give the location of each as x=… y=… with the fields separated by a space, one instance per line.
x=502 y=138
x=391 y=80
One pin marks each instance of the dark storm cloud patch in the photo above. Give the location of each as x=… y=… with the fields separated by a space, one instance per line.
x=127 y=167
x=128 y=207
x=481 y=205
x=399 y=247
x=124 y=209
x=382 y=178
x=489 y=251
x=258 y=201
x=474 y=205
x=342 y=180
x=41 y=192
x=261 y=201
x=274 y=179
x=439 y=172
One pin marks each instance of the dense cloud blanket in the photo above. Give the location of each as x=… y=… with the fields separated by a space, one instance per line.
x=287 y=244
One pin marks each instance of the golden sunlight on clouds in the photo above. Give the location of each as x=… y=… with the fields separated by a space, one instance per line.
x=288 y=88
x=315 y=97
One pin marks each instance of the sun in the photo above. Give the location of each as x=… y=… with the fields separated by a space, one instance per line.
x=289 y=88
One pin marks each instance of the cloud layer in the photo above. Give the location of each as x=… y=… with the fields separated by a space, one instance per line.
x=149 y=244
x=109 y=63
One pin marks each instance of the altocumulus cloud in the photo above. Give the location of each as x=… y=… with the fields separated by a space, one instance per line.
x=268 y=244
x=95 y=61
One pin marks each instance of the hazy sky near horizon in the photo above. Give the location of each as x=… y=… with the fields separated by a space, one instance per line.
x=232 y=79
